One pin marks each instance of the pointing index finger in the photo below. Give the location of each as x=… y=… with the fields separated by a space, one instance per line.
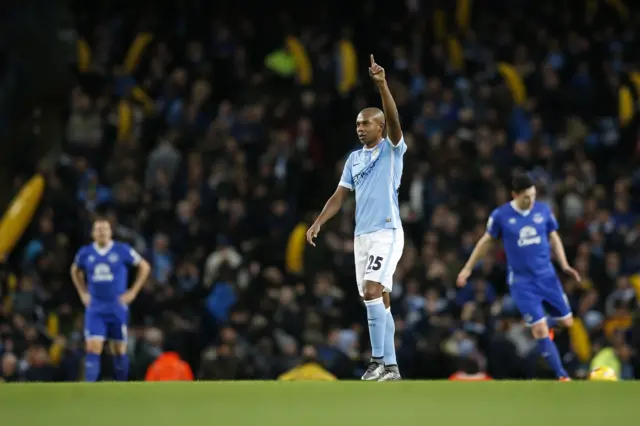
x=372 y=60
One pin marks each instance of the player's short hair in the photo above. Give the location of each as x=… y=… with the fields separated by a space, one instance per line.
x=521 y=182
x=97 y=219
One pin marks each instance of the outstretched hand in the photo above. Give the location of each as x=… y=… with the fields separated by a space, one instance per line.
x=312 y=233
x=376 y=71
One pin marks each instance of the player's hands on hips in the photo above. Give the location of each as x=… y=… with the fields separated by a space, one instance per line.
x=570 y=271
x=86 y=299
x=127 y=297
x=376 y=71
x=313 y=233
x=463 y=276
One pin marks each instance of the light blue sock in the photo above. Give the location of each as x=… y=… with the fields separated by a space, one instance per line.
x=550 y=353
x=376 y=316
x=91 y=367
x=390 y=340
x=121 y=368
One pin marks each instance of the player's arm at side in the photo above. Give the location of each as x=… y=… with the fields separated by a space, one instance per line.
x=334 y=203
x=143 y=269
x=330 y=209
x=557 y=248
x=78 y=278
x=480 y=250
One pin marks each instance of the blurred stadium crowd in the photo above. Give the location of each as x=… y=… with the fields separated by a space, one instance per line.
x=209 y=137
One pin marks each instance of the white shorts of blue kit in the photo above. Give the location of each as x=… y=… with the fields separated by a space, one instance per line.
x=376 y=256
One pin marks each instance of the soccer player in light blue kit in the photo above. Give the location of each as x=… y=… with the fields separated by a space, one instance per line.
x=374 y=173
x=529 y=234
x=100 y=274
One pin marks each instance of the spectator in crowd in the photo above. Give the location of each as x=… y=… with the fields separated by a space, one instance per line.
x=168 y=367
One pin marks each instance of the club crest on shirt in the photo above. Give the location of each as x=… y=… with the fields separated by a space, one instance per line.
x=113 y=258
x=512 y=221
x=92 y=258
x=538 y=218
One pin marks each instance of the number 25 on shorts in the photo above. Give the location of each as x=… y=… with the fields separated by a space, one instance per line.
x=374 y=263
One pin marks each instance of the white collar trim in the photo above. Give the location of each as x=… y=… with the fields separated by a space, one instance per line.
x=104 y=250
x=365 y=149
x=522 y=212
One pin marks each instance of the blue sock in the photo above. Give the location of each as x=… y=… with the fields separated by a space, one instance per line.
x=121 y=367
x=390 y=340
x=376 y=315
x=550 y=353
x=91 y=367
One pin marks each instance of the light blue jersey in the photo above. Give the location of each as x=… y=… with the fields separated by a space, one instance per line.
x=375 y=174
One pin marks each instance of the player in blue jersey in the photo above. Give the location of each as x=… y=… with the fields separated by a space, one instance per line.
x=100 y=274
x=529 y=233
x=374 y=173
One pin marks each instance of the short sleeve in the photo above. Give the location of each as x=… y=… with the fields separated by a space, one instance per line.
x=130 y=256
x=494 y=228
x=80 y=258
x=347 y=177
x=552 y=222
x=401 y=146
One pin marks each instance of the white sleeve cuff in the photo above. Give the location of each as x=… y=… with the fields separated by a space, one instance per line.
x=346 y=185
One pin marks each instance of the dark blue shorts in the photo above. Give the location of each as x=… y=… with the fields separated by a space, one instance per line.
x=535 y=299
x=105 y=326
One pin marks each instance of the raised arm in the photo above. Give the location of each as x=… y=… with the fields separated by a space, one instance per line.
x=392 y=118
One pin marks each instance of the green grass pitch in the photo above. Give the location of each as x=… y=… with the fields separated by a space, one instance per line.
x=535 y=403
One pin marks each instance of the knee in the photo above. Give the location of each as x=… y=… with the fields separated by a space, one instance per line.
x=540 y=330
x=94 y=346
x=372 y=290
x=118 y=348
x=566 y=322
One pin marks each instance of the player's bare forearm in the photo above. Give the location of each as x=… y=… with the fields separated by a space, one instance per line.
x=330 y=209
x=77 y=277
x=479 y=251
x=141 y=277
x=332 y=206
x=392 y=118
x=558 y=249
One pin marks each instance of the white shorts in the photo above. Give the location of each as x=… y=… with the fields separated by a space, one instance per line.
x=376 y=256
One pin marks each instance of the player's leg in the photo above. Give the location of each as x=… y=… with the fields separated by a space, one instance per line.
x=95 y=331
x=361 y=248
x=391 y=371
x=376 y=318
x=391 y=366
x=529 y=302
x=117 y=333
x=559 y=307
x=381 y=263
